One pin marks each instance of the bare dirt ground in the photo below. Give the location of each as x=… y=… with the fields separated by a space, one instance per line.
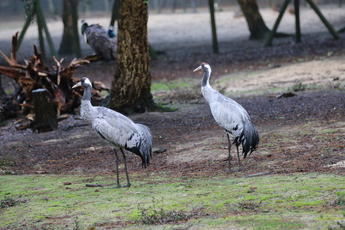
x=304 y=133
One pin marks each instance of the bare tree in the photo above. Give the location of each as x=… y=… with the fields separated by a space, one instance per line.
x=132 y=81
x=256 y=24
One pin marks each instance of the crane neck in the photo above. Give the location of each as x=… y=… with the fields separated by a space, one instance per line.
x=83 y=27
x=206 y=78
x=87 y=93
x=86 y=108
x=207 y=91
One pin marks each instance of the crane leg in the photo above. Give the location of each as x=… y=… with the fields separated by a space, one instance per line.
x=239 y=160
x=125 y=163
x=229 y=147
x=117 y=169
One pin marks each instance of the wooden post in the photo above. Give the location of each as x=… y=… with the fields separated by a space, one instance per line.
x=298 y=30
x=40 y=34
x=45 y=112
x=213 y=26
x=25 y=27
x=276 y=24
x=297 y=21
x=42 y=23
x=323 y=19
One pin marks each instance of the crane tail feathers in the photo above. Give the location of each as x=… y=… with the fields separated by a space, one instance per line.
x=146 y=145
x=249 y=139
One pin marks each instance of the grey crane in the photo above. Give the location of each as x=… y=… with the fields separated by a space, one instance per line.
x=231 y=116
x=99 y=40
x=116 y=129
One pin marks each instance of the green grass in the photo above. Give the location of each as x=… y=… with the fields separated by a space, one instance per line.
x=171 y=85
x=298 y=201
x=159 y=86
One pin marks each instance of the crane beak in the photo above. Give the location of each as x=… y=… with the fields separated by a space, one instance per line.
x=76 y=85
x=199 y=68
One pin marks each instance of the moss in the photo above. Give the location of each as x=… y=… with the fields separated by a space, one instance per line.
x=217 y=196
x=159 y=86
x=306 y=203
x=267 y=224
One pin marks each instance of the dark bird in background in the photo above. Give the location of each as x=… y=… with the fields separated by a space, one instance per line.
x=116 y=129
x=97 y=37
x=231 y=116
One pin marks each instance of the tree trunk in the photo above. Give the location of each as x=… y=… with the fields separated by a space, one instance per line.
x=131 y=86
x=70 y=39
x=256 y=24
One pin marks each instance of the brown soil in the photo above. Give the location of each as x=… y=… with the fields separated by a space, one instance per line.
x=304 y=133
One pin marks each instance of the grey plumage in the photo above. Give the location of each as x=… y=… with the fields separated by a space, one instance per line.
x=97 y=37
x=231 y=116
x=116 y=129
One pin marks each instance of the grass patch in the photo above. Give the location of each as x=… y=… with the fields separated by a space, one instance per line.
x=159 y=86
x=180 y=90
x=292 y=201
x=243 y=93
x=341 y=198
x=155 y=214
x=267 y=223
x=330 y=131
x=171 y=85
x=298 y=87
x=163 y=108
x=8 y=161
x=9 y=201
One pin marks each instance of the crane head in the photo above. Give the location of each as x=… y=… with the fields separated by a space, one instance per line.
x=84 y=82
x=83 y=26
x=204 y=66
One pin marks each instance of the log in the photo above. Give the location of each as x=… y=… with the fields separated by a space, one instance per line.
x=94 y=185
x=45 y=113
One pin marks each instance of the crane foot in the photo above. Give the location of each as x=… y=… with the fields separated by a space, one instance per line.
x=125 y=186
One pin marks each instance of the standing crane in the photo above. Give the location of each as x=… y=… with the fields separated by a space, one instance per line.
x=116 y=129
x=231 y=116
x=99 y=40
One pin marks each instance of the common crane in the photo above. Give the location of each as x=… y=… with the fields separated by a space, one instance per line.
x=231 y=116
x=116 y=129
x=99 y=40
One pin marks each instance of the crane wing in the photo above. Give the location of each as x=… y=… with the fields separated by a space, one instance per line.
x=235 y=119
x=115 y=127
x=229 y=114
x=120 y=131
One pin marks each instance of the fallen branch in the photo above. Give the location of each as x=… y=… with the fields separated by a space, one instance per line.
x=258 y=174
x=57 y=82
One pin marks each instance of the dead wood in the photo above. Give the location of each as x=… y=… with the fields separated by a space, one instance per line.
x=45 y=113
x=56 y=80
x=94 y=185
